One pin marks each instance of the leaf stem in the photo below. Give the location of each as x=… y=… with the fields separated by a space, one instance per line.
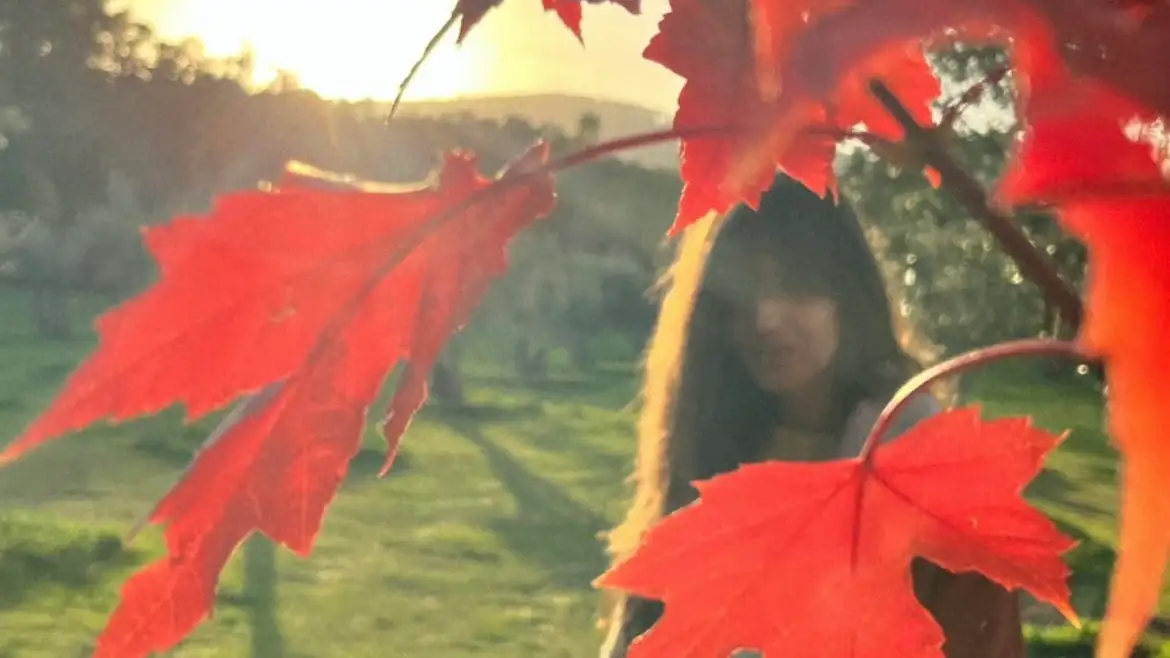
x=1032 y=263
x=516 y=177
x=963 y=362
x=641 y=140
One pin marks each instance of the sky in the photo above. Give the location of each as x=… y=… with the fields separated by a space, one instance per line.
x=356 y=49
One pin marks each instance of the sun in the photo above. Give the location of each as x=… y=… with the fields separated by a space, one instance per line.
x=363 y=49
x=342 y=49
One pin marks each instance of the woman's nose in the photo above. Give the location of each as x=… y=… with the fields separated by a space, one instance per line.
x=771 y=315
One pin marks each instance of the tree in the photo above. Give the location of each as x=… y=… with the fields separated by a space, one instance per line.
x=588 y=130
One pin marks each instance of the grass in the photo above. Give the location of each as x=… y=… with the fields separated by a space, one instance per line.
x=482 y=542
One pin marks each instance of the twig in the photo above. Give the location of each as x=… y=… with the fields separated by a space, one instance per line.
x=431 y=45
x=970 y=96
x=1032 y=263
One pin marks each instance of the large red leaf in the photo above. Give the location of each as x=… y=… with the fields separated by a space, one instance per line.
x=324 y=289
x=710 y=44
x=1102 y=160
x=254 y=287
x=569 y=11
x=781 y=557
x=1126 y=322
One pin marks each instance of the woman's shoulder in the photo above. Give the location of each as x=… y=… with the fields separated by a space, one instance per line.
x=920 y=406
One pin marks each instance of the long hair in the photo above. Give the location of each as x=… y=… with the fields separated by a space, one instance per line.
x=701 y=412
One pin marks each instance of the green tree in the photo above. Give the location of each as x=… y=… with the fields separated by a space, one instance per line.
x=957 y=284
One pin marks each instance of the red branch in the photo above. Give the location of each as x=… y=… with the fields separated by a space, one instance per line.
x=963 y=362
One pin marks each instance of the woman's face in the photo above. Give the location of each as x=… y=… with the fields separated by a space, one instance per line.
x=786 y=335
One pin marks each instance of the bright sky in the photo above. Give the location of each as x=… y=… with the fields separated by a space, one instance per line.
x=362 y=48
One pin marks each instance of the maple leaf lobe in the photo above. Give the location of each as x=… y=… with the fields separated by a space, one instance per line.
x=569 y=11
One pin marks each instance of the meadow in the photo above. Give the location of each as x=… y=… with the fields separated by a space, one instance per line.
x=481 y=542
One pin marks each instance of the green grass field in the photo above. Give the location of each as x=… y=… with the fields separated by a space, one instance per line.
x=482 y=542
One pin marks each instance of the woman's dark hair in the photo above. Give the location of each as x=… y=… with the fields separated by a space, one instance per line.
x=702 y=413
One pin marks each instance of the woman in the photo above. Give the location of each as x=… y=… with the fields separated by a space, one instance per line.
x=776 y=341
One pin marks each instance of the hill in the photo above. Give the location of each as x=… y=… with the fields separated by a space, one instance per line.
x=618 y=119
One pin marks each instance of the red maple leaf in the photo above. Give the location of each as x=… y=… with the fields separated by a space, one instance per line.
x=1125 y=323
x=710 y=44
x=325 y=290
x=1103 y=160
x=780 y=557
x=569 y=11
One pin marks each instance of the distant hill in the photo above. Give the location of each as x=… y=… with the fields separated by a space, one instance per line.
x=618 y=119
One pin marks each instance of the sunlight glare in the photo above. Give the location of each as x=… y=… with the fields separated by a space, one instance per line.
x=345 y=49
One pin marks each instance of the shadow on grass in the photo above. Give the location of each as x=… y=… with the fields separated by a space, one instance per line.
x=49 y=374
x=498 y=411
x=611 y=389
x=175 y=445
x=260 y=598
x=1056 y=488
x=367 y=463
x=547 y=414
x=1070 y=642
x=1090 y=442
x=12 y=404
x=1091 y=560
x=38 y=555
x=550 y=529
x=165 y=439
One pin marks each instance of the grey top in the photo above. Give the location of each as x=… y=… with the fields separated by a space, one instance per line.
x=919 y=407
x=857 y=427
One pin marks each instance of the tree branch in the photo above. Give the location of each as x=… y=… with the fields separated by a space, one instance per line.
x=1035 y=267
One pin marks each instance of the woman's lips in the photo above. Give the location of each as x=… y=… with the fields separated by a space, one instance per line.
x=778 y=356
